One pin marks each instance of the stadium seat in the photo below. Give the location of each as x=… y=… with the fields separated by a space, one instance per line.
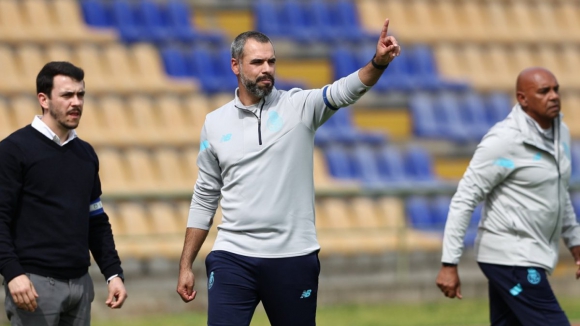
x=142 y=172
x=145 y=119
x=424 y=121
x=114 y=177
x=179 y=18
x=391 y=164
x=439 y=211
x=365 y=166
x=176 y=177
x=24 y=108
x=448 y=118
x=293 y=18
x=473 y=115
x=12 y=81
x=419 y=165
x=175 y=63
x=419 y=212
x=343 y=62
x=7 y=126
x=339 y=162
x=96 y=14
x=498 y=106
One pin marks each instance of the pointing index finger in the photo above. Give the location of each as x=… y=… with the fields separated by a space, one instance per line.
x=385 y=29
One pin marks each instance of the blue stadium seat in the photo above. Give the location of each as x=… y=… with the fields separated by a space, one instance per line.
x=473 y=114
x=202 y=64
x=397 y=76
x=391 y=164
x=346 y=18
x=175 y=63
x=365 y=166
x=440 y=210
x=96 y=14
x=471 y=232
x=127 y=23
x=153 y=21
x=447 y=108
x=422 y=68
x=419 y=213
x=575 y=158
x=319 y=21
x=423 y=116
x=343 y=62
x=178 y=17
x=267 y=18
x=339 y=162
x=499 y=105
x=294 y=20
x=418 y=164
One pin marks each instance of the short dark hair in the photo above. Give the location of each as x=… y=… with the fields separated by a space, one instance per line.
x=239 y=42
x=45 y=78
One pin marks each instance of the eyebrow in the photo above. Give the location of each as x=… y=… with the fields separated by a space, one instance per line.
x=82 y=92
x=262 y=60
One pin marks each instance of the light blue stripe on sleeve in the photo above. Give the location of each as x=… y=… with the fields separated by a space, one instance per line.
x=505 y=162
x=96 y=207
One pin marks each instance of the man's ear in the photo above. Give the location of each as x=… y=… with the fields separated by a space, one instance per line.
x=43 y=101
x=235 y=66
x=522 y=99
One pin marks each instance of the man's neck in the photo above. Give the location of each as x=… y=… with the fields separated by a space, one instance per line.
x=61 y=133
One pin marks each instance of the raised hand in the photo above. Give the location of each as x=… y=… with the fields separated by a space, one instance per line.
x=387 y=47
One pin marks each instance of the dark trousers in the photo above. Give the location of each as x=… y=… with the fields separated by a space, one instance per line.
x=521 y=296
x=287 y=288
x=60 y=303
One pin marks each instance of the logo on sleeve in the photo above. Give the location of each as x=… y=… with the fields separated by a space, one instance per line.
x=210 y=281
x=275 y=121
x=203 y=146
x=538 y=156
x=505 y=163
x=533 y=276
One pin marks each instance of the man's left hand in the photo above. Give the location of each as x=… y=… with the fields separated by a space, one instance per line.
x=576 y=255
x=117 y=293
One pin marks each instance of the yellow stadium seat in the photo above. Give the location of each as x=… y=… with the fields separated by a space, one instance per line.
x=143 y=173
x=523 y=57
x=168 y=232
x=117 y=124
x=91 y=126
x=40 y=22
x=570 y=55
x=190 y=161
x=545 y=20
x=172 y=171
x=137 y=239
x=113 y=172
x=474 y=21
x=13 y=25
x=548 y=57
x=175 y=122
x=11 y=78
x=97 y=79
x=570 y=108
x=58 y=52
x=31 y=59
x=143 y=114
x=503 y=73
x=196 y=107
x=24 y=109
x=371 y=13
x=122 y=75
x=7 y=126
x=568 y=19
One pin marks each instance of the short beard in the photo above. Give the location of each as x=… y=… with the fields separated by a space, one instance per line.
x=254 y=89
x=61 y=120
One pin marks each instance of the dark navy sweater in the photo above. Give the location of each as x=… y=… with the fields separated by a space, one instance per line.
x=45 y=194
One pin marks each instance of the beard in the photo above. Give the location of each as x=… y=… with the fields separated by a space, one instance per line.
x=61 y=119
x=252 y=86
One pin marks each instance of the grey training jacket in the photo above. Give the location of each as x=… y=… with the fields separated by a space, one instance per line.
x=527 y=206
x=260 y=160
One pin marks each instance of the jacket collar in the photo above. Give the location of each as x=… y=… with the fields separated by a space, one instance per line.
x=267 y=100
x=530 y=135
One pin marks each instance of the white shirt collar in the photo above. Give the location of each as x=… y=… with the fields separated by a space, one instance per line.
x=39 y=125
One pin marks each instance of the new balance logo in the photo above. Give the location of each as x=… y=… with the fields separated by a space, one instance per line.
x=305 y=294
x=516 y=290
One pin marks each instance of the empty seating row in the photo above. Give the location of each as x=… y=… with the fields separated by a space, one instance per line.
x=382 y=166
x=460 y=117
x=534 y=21
x=148 y=229
x=318 y=21
x=495 y=66
x=47 y=21
x=116 y=121
x=414 y=70
x=148 y=21
x=110 y=68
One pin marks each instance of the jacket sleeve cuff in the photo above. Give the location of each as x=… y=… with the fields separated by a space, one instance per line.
x=112 y=270
x=11 y=270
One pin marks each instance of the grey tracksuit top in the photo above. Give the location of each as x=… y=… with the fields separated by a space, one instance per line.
x=527 y=206
x=259 y=159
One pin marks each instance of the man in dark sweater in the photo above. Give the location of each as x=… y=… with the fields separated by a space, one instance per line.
x=51 y=214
